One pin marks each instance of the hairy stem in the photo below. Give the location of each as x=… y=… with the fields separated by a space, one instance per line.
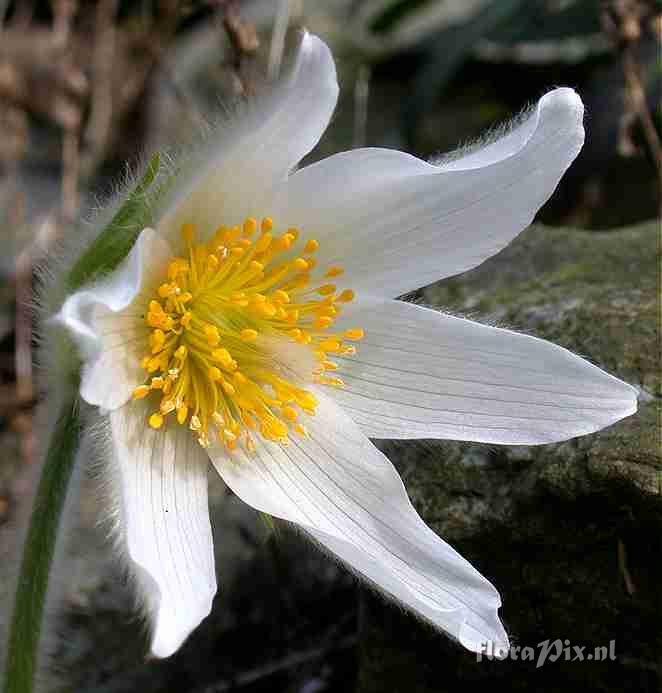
x=38 y=551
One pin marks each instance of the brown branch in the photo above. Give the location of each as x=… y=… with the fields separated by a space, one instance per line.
x=622 y=22
x=98 y=130
x=250 y=677
x=623 y=568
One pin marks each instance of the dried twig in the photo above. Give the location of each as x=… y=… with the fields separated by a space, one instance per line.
x=243 y=39
x=623 y=568
x=622 y=21
x=278 y=33
x=98 y=130
x=248 y=678
x=361 y=96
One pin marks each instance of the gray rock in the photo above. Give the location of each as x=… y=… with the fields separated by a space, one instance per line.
x=571 y=532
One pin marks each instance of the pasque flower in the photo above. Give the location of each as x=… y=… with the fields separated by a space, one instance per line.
x=256 y=326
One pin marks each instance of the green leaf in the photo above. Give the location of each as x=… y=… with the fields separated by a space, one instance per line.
x=116 y=240
x=25 y=629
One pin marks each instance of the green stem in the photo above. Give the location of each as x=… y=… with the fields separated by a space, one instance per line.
x=25 y=631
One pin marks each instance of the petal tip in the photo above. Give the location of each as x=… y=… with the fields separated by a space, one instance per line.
x=565 y=106
x=170 y=631
x=489 y=639
x=315 y=53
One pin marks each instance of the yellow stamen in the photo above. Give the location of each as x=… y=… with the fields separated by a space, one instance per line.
x=156 y=421
x=202 y=355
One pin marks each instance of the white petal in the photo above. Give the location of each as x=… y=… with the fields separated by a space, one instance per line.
x=105 y=321
x=421 y=374
x=251 y=156
x=164 y=519
x=346 y=494
x=397 y=223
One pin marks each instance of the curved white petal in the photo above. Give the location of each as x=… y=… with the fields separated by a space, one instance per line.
x=421 y=374
x=105 y=320
x=397 y=223
x=249 y=157
x=164 y=521
x=346 y=494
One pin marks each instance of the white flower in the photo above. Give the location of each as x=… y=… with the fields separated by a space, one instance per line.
x=227 y=339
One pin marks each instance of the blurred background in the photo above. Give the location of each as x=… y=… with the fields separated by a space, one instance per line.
x=570 y=533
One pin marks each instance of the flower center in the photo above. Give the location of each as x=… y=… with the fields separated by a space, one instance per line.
x=214 y=321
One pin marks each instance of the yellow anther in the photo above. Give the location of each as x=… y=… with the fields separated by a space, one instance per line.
x=346 y=296
x=212 y=335
x=332 y=345
x=267 y=224
x=195 y=423
x=280 y=296
x=322 y=323
x=157 y=383
x=335 y=382
x=290 y=413
x=182 y=352
x=228 y=387
x=185 y=297
x=214 y=373
x=141 y=391
x=334 y=271
x=301 y=264
x=311 y=246
x=156 y=421
x=155 y=307
x=250 y=226
x=239 y=379
x=294 y=232
x=326 y=289
x=165 y=290
x=186 y=318
x=267 y=309
x=156 y=340
x=328 y=311
x=188 y=233
x=263 y=242
x=248 y=335
x=223 y=356
x=312 y=263
x=167 y=405
x=306 y=400
x=329 y=365
x=283 y=243
x=212 y=263
x=355 y=333
x=299 y=282
x=300 y=429
x=182 y=414
x=237 y=251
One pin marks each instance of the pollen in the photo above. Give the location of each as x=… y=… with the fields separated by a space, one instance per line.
x=215 y=316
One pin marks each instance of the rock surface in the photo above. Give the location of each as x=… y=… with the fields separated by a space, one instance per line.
x=571 y=533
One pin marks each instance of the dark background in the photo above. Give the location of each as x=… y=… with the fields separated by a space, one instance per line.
x=569 y=533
